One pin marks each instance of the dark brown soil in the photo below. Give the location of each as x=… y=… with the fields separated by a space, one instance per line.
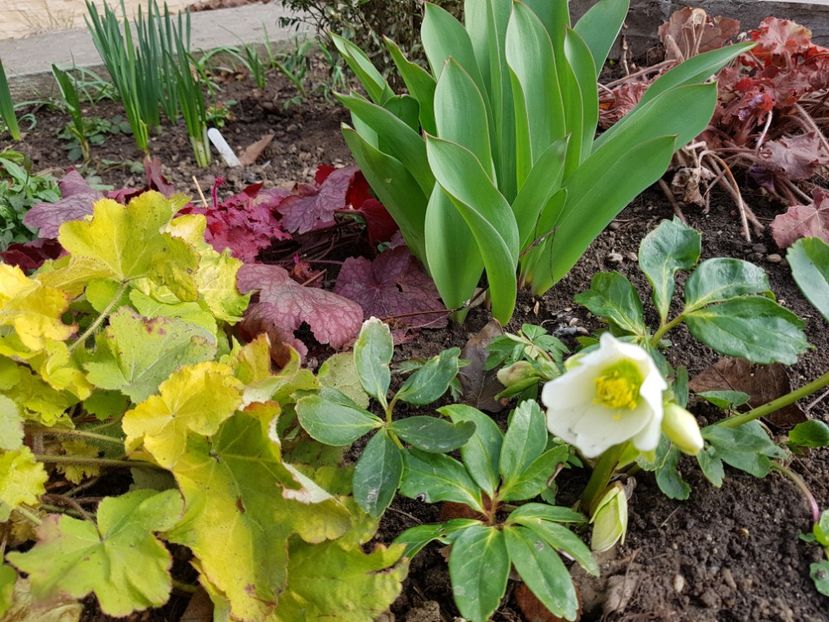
x=726 y=555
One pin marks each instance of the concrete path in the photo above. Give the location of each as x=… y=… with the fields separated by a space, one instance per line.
x=211 y=29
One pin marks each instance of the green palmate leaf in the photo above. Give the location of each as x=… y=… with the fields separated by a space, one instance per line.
x=482 y=451
x=524 y=442
x=8 y=577
x=416 y=538
x=671 y=247
x=725 y=399
x=600 y=26
x=339 y=372
x=120 y=560
x=747 y=448
x=437 y=477
x=751 y=327
x=11 y=425
x=135 y=355
x=334 y=423
x=433 y=435
x=340 y=583
x=22 y=480
x=479 y=567
x=723 y=278
x=561 y=539
x=811 y=434
x=535 y=478
x=377 y=474
x=372 y=356
x=190 y=312
x=432 y=380
x=542 y=570
x=127 y=242
x=612 y=296
x=197 y=398
x=488 y=216
x=809 y=259
x=37 y=400
x=242 y=505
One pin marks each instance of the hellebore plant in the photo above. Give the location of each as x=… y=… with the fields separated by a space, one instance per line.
x=490 y=161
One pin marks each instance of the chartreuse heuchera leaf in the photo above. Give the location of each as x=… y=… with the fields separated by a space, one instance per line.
x=120 y=560
x=491 y=162
x=22 y=480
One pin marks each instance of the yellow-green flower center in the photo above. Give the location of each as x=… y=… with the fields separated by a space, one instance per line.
x=617 y=387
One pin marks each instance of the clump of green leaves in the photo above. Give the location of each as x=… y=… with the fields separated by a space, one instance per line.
x=498 y=470
x=819 y=571
x=116 y=357
x=490 y=162
x=334 y=418
x=526 y=358
x=20 y=189
x=95 y=131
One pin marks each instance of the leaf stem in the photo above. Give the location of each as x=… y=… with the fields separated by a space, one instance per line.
x=101 y=318
x=104 y=462
x=29 y=516
x=798 y=481
x=92 y=436
x=665 y=327
x=775 y=405
x=600 y=477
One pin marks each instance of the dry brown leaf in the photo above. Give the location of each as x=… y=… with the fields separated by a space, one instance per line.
x=689 y=32
x=532 y=608
x=199 y=609
x=479 y=385
x=762 y=383
x=254 y=151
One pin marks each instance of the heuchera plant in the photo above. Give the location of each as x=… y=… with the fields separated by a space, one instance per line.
x=491 y=161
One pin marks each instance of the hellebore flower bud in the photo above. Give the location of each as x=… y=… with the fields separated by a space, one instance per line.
x=682 y=429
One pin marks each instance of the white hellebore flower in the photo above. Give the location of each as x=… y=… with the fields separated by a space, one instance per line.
x=606 y=397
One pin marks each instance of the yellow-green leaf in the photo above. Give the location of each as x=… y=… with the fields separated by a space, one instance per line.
x=119 y=560
x=11 y=425
x=21 y=480
x=196 y=398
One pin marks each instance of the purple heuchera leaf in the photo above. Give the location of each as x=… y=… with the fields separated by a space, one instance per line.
x=76 y=203
x=313 y=206
x=802 y=221
x=31 y=255
x=393 y=287
x=284 y=306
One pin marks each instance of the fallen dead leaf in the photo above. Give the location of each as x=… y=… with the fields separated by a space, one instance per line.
x=200 y=608
x=479 y=385
x=255 y=150
x=532 y=608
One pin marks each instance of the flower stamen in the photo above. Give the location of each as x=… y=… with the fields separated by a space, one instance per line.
x=618 y=387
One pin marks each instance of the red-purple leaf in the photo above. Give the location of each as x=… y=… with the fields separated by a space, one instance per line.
x=76 y=203
x=314 y=206
x=803 y=221
x=285 y=305
x=31 y=255
x=797 y=158
x=394 y=288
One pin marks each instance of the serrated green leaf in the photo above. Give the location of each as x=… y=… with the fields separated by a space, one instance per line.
x=11 y=425
x=542 y=570
x=135 y=355
x=197 y=398
x=542 y=511
x=372 y=356
x=332 y=423
x=437 y=477
x=725 y=399
x=22 y=480
x=722 y=278
x=524 y=442
x=561 y=539
x=433 y=435
x=377 y=474
x=479 y=567
x=242 y=505
x=482 y=451
x=339 y=372
x=432 y=380
x=612 y=296
x=747 y=447
x=671 y=247
x=809 y=259
x=811 y=434
x=120 y=560
x=750 y=327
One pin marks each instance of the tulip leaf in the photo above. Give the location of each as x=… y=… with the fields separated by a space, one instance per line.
x=120 y=559
x=419 y=83
x=437 y=477
x=368 y=75
x=671 y=247
x=524 y=442
x=373 y=352
x=535 y=478
x=612 y=296
x=482 y=451
x=377 y=474
x=444 y=37
x=541 y=568
x=432 y=380
x=811 y=434
x=479 y=566
x=433 y=435
x=722 y=278
x=332 y=423
x=809 y=259
x=600 y=26
x=750 y=327
x=584 y=71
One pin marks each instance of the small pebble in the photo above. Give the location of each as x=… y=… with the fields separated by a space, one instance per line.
x=774 y=258
x=614 y=226
x=760 y=248
x=631 y=256
x=615 y=257
x=710 y=599
x=679 y=583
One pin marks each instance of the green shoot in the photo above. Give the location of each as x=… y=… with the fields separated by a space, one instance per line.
x=77 y=127
x=7 y=113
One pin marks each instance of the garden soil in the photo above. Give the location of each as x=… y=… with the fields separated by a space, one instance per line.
x=731 y=554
